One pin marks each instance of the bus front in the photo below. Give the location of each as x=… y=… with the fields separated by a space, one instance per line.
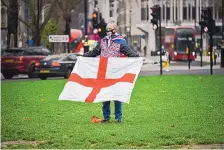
x=184 y=42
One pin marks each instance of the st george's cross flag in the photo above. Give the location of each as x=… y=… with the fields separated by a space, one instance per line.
x=99 y=79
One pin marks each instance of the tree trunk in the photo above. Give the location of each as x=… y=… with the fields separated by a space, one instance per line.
x=37 y=36
x=15 y=39
x=12 y=24
x=37 y=39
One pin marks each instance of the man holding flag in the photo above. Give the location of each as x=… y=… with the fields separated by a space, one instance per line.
x=113 y=45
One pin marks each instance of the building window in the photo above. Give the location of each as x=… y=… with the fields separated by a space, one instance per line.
x=193 y=13
x=168 y=13
x=176 y=13
x=143 y=13
x=144 y=10
x=3 y=16
x=163 y=12
x=184 y=13
x=189 y=11
x=111 y=8
x=220 y=13
x=147 y=13
x=111 y=13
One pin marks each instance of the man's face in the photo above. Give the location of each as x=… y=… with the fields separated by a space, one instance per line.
x=110 y=31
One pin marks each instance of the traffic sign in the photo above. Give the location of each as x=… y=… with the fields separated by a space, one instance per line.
x=58 y=38
x=95 y=31
x=206 y=29
x=154 y=27
x=189 y=38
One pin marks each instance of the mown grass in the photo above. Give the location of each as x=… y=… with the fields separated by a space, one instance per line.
x=164 y=111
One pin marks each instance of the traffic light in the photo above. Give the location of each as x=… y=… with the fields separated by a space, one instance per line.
x=204 y=16
x=204 y=20
x=95 y=20
x=102 y=27
x=155 y=16
x=207 y=22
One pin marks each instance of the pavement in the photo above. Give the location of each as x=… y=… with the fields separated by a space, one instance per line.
x=151 y=63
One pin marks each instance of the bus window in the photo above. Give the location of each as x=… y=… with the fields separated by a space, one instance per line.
x=169 y=31
x=185 y=38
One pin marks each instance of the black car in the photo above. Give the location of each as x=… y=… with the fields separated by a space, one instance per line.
x=58 y=65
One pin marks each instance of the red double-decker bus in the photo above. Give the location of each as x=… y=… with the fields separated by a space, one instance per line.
x=76 y=41
x=178 y=41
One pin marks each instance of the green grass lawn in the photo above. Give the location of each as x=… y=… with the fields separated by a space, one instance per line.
x=163 y=111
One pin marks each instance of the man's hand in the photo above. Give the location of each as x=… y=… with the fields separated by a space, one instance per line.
x=95 y=52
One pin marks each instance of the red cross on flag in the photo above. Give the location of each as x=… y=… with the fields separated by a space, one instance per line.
x=102 y=79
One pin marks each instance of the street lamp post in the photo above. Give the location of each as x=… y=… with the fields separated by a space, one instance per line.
x=86 y=47
x=201 y=48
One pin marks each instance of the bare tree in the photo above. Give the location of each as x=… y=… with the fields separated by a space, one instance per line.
x=66 y=7
x=35 y=25
x=36 y=7
x=12 y=24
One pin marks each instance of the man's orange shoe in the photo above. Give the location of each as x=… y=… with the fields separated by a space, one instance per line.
x=96 y=119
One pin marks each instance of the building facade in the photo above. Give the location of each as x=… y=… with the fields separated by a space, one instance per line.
x=3 y=26
x=133 y=16
x=24 y=34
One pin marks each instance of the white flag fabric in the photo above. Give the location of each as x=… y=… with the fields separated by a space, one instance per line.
x=99 y=79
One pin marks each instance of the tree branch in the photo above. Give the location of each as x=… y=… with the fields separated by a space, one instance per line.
x=4 y=4
x=48 y=16
x=60 y=5
x=19 y=18
x=24 y=22
x=78 y=1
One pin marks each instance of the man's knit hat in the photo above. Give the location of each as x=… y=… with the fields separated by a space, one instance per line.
x=111 y=25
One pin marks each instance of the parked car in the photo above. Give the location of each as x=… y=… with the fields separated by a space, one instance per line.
x=16 y=61
x=58 y=65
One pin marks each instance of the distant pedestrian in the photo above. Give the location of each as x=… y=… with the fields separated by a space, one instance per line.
x=145 y=51
x=30 y=42
x=136 y=48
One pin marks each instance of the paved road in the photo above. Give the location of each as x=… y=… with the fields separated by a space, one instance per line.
x=142 y=73
x=153 y=68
